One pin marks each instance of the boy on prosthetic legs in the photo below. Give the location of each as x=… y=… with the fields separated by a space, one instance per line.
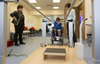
x=57 y=29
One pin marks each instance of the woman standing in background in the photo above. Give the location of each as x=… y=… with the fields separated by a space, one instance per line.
x=18 y=21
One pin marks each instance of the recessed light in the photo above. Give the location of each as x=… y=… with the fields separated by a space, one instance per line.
x=32 y=1
x=38 y=7
x=56 y=1
x=55 y=7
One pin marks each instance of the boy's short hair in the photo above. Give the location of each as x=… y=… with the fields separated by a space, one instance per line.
x=57 y=19
x=19 y=6
x=68 y=5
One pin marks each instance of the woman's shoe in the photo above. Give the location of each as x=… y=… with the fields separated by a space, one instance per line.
x=16 y=44
x=22 y=43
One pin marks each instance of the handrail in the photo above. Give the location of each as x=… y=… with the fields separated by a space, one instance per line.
x=35 y=9
x=73 y=2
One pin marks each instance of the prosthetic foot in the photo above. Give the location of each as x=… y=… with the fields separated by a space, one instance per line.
x=55 y=38
x=60 y=39
x=59 y=32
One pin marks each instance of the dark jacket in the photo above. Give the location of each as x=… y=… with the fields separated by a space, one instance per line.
x=16 y=14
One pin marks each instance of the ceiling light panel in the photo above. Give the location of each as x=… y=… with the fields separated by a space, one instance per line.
x=56 y=1
x=55 y=7
x=38 y=7
x=32 y=1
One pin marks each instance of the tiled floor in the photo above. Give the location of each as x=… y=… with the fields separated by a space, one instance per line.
x=32 y=43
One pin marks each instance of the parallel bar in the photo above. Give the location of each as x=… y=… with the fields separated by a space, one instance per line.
x=36 y=9
x=73 y=2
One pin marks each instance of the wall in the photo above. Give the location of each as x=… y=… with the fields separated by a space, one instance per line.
x=32 y=21
x=8 y=23
x=88 y=14
x=39 y=23
x=48 y=12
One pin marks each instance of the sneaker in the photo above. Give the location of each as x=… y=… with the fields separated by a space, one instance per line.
x=16 y=44
x=55 y=38
x=22 y=43
x=60 y=40
x=74 y=45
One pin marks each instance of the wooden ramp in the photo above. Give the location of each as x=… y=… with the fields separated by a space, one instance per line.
x=37 y=57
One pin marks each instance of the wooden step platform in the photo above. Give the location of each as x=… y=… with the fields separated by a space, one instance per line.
x=55 y=52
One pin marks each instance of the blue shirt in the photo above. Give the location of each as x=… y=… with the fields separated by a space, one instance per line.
x=57 y=26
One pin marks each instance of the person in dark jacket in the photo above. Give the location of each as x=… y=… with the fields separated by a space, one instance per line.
x=18 y=21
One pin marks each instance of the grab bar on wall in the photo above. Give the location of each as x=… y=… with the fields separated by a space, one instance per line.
x=72 y=4
x=36 y=9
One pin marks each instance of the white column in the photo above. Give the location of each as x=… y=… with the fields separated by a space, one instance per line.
x=3 y=31
x=71 y=33
x=96 y=31
x=44 y=32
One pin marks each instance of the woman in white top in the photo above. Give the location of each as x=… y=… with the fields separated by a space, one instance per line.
x=71 y=17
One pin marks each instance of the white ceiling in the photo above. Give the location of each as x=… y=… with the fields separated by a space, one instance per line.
x=43 y=4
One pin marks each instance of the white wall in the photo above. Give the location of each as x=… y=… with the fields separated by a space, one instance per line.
x=48 y=12
x=32 y=21
x=88 y=14
x=39 y=23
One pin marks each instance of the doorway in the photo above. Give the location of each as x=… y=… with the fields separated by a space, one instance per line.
x=80 y=15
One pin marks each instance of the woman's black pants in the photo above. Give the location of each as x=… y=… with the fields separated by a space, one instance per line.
x=18 y=31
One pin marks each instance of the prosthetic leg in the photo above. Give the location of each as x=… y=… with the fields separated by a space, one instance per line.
x=59 y=33
x=55 y=34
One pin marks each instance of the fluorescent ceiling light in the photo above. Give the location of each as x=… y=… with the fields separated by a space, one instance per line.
x=32 y=1
x=38 y=7
x=55 y=7
x=56 y=1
